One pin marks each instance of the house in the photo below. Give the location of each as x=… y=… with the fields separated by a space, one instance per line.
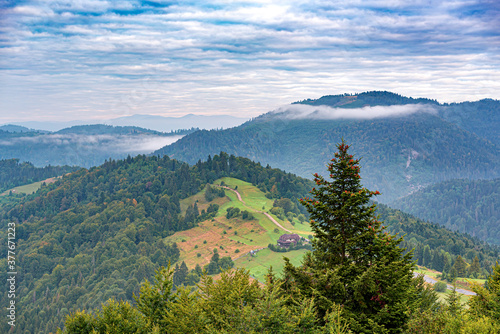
x=287 y=239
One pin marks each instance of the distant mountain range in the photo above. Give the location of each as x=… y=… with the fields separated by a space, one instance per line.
x=83 y=145
x=152 y=122
x=405 y=144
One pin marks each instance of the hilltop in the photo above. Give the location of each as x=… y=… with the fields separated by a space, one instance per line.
x=403 y=147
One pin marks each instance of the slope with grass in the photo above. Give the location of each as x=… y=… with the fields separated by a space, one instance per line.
x=236 y=237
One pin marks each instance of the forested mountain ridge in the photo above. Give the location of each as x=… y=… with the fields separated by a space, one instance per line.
x=83 y=145
x=96 y=234
x=480 y=117
x=469 y=206
x=399 y=154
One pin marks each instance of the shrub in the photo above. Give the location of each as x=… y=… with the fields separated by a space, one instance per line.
x=440 y=287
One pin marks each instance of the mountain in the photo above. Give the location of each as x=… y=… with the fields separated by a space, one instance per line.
x=152 y=122
x=83 y=145
x=468 y=206
x=96 y=234
x=165 y=124
x=403 y=147
x=15 y=128
x=481 y=118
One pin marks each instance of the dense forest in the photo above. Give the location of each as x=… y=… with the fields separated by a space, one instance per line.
x=469 y=206
x=400 y=154
x=98 y=233
x=436 y=247
x=14 y=173
x=357 y=279
x=374 y=98
x=475 y=117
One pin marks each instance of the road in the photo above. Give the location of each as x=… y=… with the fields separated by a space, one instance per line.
x=431 y=280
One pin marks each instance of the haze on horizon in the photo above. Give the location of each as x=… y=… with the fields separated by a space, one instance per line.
x=67 y=60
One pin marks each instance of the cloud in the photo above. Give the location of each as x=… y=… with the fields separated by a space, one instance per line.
x=301 y=111
x=117 y=143
x=70 y=59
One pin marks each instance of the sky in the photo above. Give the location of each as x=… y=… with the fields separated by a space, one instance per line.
x=95 y=59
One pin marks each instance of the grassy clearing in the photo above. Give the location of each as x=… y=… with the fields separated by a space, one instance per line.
x=259 y=264
x=236 y=237
x=29 y=188
x=443 y=298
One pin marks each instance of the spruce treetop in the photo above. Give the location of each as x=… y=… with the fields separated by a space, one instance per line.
x=343 y=222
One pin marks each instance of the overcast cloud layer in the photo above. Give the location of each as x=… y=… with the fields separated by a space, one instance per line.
x=93 y=59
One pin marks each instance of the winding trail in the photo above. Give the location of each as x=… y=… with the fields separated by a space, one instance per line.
x=431 y=280
x=257 y=211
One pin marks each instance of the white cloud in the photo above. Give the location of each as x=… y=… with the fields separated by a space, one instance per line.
x=301 y=111
x=84 y=59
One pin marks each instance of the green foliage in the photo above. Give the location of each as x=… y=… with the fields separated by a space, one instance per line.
x=114 y=318
x=486 y=302
x=442 y=321
x=232 y=304
x=232 y=212
x=444 y=244
x=422 y=146
x=212 y=192
x=440 y=287
x=354 y=263
x=468 y=206
x=14 y=173
x=218 y=264
x=105 y=228
x=155 y=298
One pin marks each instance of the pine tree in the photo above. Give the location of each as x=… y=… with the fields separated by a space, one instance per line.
x=487 y=300
x=354 y=263
x=460 y=266
x=475 y=268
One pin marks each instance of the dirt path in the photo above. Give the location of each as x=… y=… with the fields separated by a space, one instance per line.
x=263 y=212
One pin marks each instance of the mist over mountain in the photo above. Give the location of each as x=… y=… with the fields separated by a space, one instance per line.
x=405 y=144
x=85 y=146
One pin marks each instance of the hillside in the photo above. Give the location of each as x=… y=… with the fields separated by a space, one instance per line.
x=481 y=117
x=399 y=154
x=468 y=206
x=14 y=173
x=96 y=234
x=84 y=145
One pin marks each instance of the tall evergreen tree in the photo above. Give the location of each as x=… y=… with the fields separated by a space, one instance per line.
x=460 y=266
x=354 y=262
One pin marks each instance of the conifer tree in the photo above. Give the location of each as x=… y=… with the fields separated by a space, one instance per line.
x=486 y=302
x=354 y=262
